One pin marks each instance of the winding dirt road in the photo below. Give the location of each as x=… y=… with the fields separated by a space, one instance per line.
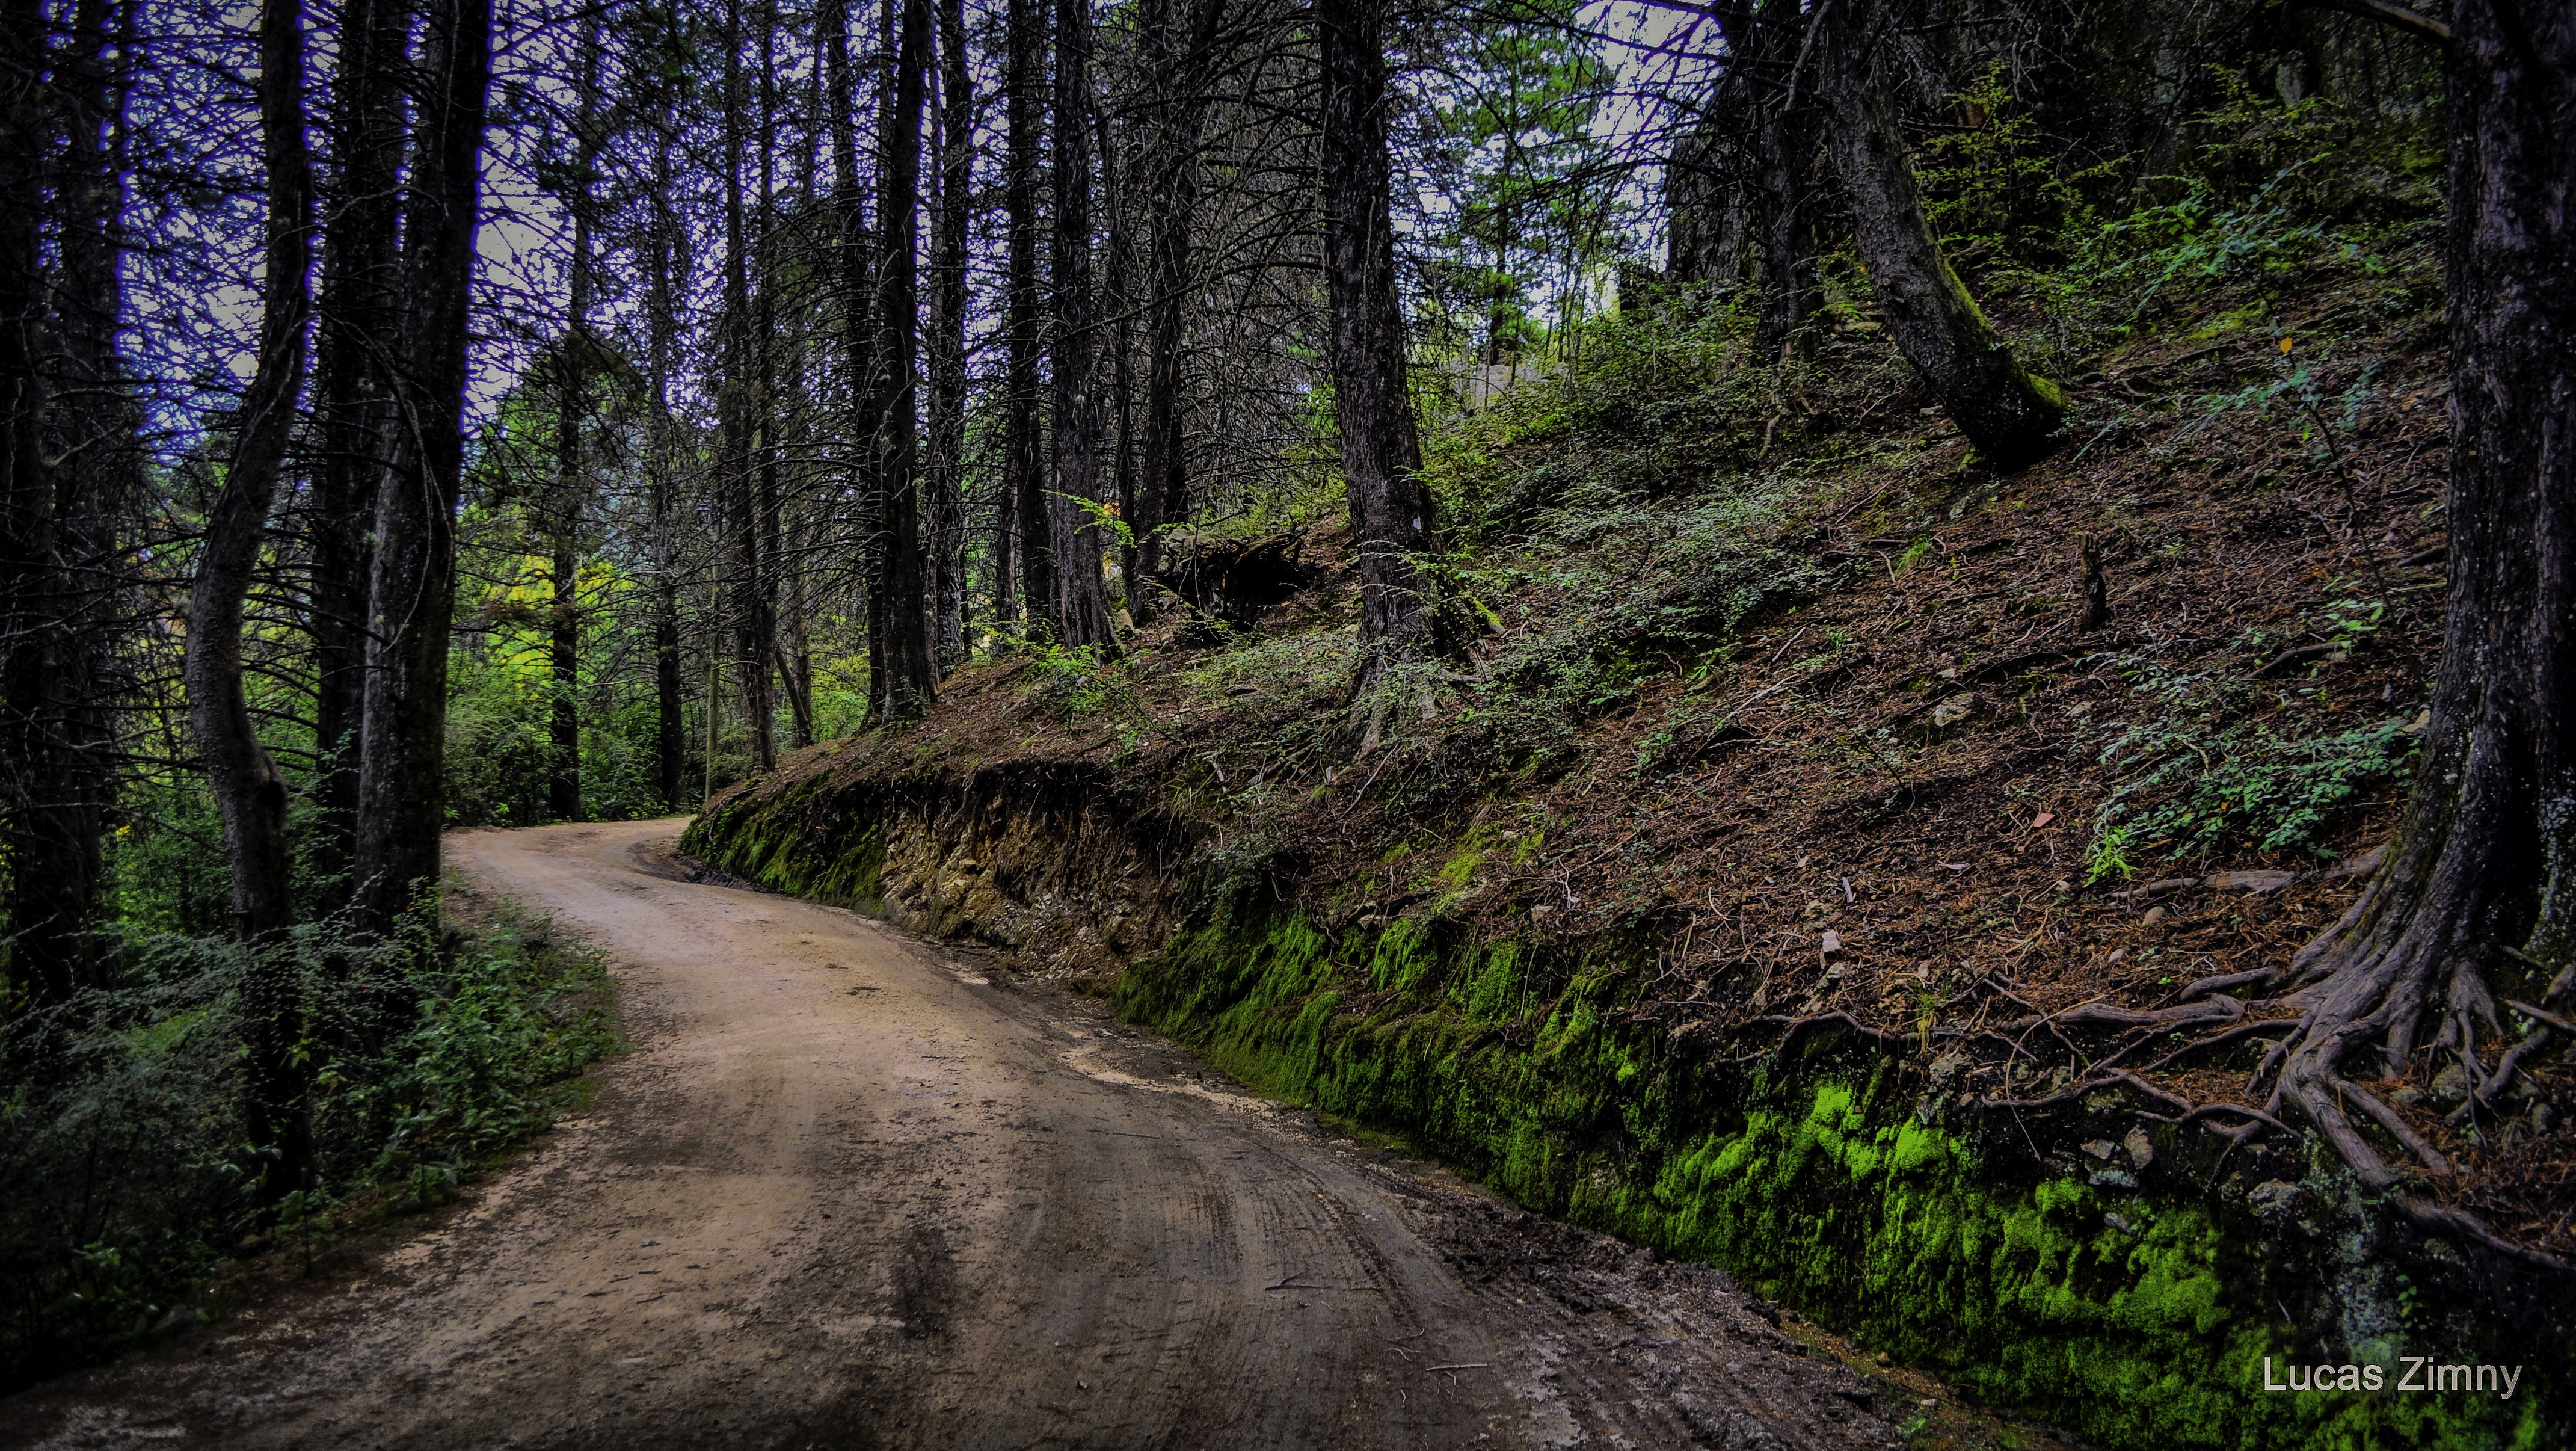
x=850 y=1189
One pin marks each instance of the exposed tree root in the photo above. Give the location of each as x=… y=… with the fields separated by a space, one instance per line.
x=2425 y=1214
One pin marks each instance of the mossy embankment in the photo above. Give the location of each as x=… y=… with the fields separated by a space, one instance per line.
x=2083 y=1261
x=2105 y=1271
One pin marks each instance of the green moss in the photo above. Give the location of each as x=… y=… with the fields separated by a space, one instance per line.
x=2140 y=1321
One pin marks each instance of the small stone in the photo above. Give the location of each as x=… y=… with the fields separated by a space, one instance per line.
x=1952 y=711
x=2451 y=1085
x=2142 y=1150
x=2273 y=1197
x=2116 y=1222
x=2101 y=1148
x=2113 y=1179
x=1833 y=944
x=1947 y=1067
x=2155 y=917
x=2409 y=1098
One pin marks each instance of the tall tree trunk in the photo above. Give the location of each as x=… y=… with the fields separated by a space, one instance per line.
x=2010 y=414
x=760 y=684
x=911 y=666
x=57 y=685
x=360 y=311
x=38 y=963
x=662 y=327
x=948 y=338
x=564 y=511
x=1784 y=147
x=857 y=250
x=745 y=585
x=249 y=793
x=2472 y=895
x=1119 y=292
x=1162 y=486
x=1023 y=472
x=1391 y=518
x=1737 y=185
x=1082 y=597
x=402 y=801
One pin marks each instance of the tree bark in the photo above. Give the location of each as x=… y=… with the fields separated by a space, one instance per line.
x=2474 y=887
x=37 y=963
x=564 y=511
x=63 y=768
x=1391 y=515
x=1082 y=597
x=1120 y=298
x=670 y=747
x=911 y=667
x=1023 y=474
x=1162 y=485
x=761 y=682
x=1784 y=147
x=249 y=793
x=360 y=311
x=2010 y=414
x=402 y=799
x=858 y=325
x=948 y=338
x=746 y=586
x=1739 y=181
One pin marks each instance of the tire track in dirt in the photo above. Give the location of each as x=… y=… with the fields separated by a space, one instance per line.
x=849 y=1190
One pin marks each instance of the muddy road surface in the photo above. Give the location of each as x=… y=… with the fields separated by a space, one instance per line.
x=851 y=1189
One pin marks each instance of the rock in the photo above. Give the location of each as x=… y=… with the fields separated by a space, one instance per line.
x=1952 y=711
x=2155 y=917
x=1833 y=943
x=2409 y=1098
x=2142 y=1149
x=1946 y=1067
x=2451 y=1085
x=2273 y=1198
x=2113 y=1179
x=2101 y=1148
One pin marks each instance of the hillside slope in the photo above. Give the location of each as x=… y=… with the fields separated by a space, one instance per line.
x=1830 y=859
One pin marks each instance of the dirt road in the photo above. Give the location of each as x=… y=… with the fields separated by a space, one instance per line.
x=850 y=1189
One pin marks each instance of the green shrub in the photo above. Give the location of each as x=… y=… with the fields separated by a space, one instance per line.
x=124 y=1166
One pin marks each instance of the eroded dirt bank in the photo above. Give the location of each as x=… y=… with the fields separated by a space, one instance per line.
x=851 y=1190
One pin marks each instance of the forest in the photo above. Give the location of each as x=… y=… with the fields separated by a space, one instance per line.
x=1374 y=541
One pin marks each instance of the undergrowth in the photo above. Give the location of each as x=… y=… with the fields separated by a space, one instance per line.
x=124 y=1162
